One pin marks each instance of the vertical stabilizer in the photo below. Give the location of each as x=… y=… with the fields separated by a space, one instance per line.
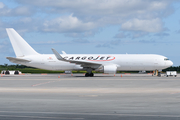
x=20 y=46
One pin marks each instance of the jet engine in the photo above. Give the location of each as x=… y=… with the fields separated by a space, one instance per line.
x=111 y=69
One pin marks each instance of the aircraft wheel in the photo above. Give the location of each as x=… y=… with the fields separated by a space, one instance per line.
x=91 y=74
x=16 y=72
x=159 y=74
x=7 y=72
x=87 y=75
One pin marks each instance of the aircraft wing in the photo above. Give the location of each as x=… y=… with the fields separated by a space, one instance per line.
x=82 y=63
x=17 y=60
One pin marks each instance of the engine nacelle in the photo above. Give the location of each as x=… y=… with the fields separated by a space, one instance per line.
x=111 y=69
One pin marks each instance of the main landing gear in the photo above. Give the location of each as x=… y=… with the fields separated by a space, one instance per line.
x=89 y=74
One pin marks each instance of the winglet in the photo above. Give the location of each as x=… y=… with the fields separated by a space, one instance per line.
x=58 y=56
x=63 y=52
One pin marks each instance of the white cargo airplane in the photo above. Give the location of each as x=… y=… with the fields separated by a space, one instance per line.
x=107 y=63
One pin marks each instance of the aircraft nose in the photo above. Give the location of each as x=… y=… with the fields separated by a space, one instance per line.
x=170 y=63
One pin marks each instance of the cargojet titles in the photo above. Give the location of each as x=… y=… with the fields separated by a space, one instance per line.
x=90 y=58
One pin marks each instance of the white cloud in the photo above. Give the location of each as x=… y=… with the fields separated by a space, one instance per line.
x=15 y=12
x=1 y=5
x=92 y=14
x=21 y=10
x=67 y=24
x=97 y=9
x=154 y=25
x=89 y=16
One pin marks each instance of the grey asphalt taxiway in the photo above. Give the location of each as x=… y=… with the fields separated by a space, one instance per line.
x=102 y=97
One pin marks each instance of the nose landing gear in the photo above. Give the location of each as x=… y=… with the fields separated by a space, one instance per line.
x=157 y=73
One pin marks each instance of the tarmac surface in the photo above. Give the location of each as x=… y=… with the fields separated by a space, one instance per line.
x=102 y=97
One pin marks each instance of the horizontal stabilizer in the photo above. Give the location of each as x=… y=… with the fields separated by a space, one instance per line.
x=17 y=60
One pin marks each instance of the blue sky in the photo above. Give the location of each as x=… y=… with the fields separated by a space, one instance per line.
x=91 y=26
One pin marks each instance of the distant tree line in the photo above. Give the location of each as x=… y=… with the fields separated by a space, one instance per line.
x=173 y=68
x=13 y=67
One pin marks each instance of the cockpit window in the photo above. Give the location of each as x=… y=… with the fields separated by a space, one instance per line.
x=166 y=59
